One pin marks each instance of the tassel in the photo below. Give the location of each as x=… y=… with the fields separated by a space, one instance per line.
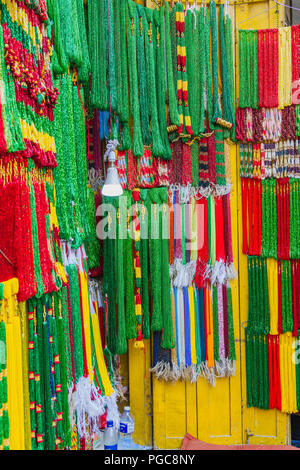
x=137 y=142
x=168 y=341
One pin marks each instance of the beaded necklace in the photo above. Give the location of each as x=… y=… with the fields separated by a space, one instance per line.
x=285 y=67
x=203 y=322
x=131 y=331
x=192 y=45
x=85 y=67
x=4 y=417
x=182 y=80
x=267 y=56
x=227 y=65
x=76 y=321
x=35 y=243
x=168 y=333
x=109 y=275
x=144 y=265
x=143 y=91
x=11 y=139
x=248 y=72
x=295 y=39
x=60 y=171
x=158 y=17
x=63 y=344
x=17 y=231
x=230 y=66
x=179 y=67
x=220 y=157
x=277 y=389
x=55 y=13
x=137 y=271
x=195 y=163
x=81 y=160
x=217 y=114
x=46 y=374
x=152 y=83
x=28 y=59
x=56 y=371
x=123 y=100
x=109 y=24
x=208 y=72
x=70 y=30
x=23 y=237
x=155 y=260
x=121 y=331
x=132 y=31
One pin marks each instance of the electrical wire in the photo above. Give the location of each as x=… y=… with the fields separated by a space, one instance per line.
x=287 y=6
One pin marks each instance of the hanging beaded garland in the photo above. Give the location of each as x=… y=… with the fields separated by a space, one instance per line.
x=28 y=52
x=269 y=160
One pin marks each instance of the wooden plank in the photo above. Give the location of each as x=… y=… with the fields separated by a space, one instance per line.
x=191 y=409
x=140 y=392
x=175 y=414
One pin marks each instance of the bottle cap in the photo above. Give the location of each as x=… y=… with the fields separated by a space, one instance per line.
x=126 y=408
x=110 y=424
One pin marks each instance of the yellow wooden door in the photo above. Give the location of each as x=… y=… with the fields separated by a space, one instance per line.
x=216 y=415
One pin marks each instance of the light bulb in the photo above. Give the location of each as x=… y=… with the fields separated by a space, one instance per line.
x=112 y=185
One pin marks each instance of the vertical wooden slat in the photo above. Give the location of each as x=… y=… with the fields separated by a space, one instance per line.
x=140 y=392
x=191 y=409
x=159 y=415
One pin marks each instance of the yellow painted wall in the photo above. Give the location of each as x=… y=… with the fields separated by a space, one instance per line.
x=164 y=413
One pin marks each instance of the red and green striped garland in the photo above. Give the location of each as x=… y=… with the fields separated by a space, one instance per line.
x=182 y=83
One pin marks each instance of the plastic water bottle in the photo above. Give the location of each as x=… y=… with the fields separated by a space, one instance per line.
x=110 y=437
x=126 y=430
